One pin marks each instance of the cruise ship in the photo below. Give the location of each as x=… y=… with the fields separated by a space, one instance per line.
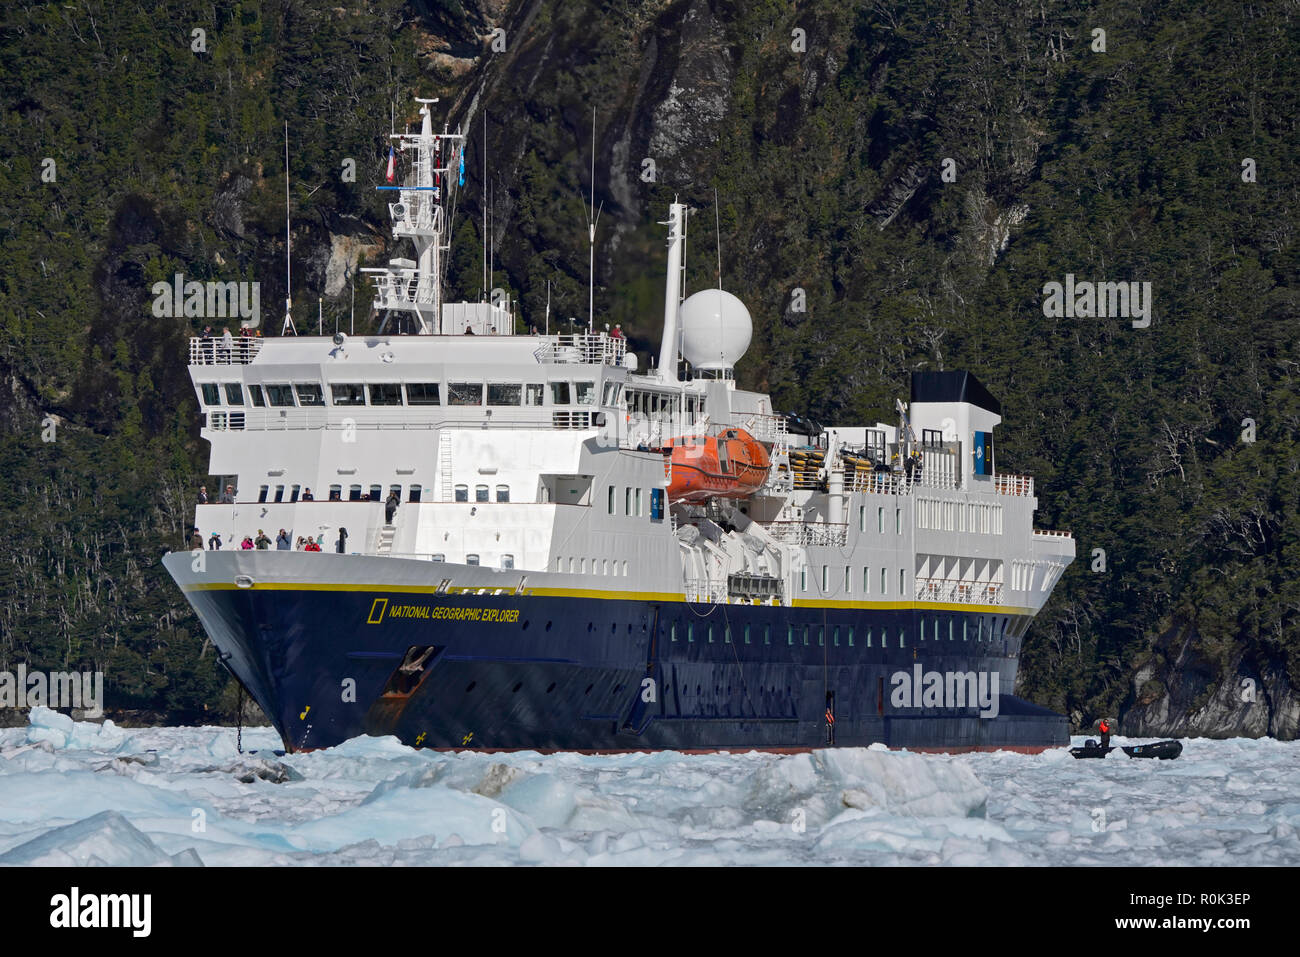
x=544 y=541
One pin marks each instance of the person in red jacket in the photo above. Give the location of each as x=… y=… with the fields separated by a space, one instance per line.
x=1104 y=728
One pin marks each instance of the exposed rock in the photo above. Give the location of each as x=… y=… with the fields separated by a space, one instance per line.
x=1186 y=695
x=346 y=252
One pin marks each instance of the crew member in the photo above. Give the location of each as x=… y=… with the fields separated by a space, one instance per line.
x=1104 y=728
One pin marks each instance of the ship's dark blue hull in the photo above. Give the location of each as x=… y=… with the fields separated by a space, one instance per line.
x=558 y=672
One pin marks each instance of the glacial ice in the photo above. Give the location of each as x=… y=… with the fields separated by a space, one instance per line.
x=84 y=793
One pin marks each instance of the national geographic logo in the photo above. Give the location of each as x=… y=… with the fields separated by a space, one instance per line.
x=380 y=609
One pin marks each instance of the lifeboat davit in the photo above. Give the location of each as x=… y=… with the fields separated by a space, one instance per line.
x=732 y=464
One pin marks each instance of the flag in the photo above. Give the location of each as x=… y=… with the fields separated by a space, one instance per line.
x=392 y=165
x=462 y=169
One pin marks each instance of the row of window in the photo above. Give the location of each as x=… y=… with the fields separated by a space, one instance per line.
x=880 y=519
x=959 y=516
x=632 y=502
x=375 y=493
x=354 y=394
x=598 y=566
x=980 y=630
x=848 y=580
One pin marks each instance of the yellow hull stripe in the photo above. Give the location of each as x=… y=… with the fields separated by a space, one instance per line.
x=667 y=597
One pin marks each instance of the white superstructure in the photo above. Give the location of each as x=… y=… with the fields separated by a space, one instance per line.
x=548 y=458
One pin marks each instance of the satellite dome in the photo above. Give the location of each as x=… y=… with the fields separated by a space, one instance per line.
x=716 y=329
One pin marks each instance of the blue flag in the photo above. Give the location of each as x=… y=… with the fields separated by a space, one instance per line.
x=462 y=170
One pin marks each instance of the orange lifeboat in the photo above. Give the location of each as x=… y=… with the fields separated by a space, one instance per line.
x=732 y=464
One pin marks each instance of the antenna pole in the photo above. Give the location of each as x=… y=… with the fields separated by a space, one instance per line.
x=591 y=235
x=485 y=263
x=548 y=307
x=288 y=243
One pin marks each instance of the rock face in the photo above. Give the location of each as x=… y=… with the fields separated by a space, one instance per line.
x=1189 y=695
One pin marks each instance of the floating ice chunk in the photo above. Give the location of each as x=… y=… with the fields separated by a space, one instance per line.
x=105 y=839
x=545 y=799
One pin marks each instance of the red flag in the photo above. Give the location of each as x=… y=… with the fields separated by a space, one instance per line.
x=392 y=160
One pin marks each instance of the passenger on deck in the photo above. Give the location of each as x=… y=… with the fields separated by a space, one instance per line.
x=308 y=497
x=469 y=331
x=214 y=543
x=617 y=333
x=203 y=495
x=207 y=345
x=300 y=544
x=227 y=343
x=262 y=541
x=247 y=543
x=229 y=497
x=390 y=507
x=342 y=544
x=282 y=541
x=196 y=539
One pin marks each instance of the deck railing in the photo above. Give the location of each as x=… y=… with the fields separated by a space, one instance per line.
x=958 y=591
x=809 y=533
x=211 y=350
x=1013 y=484
x=593 y=349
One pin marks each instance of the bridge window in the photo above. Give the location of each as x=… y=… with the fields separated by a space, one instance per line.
x=480 y=493
x=559 y=393
x=586 y=392
x=534 y=394
x=421 y=393
x=348 y=393
x=504 y=393
x=262 y=492
x=465 y=393
x=354 y=493
x=414 y=494
x=211 y=394
x=336 y=493
x=279 y=493
x=503 y=493
x=462 y=493
x=385 y=393
x=234 y=394
x=376 y=493
x=255 y=393
x=293 y=493
x=309 y=393
x=279 y=395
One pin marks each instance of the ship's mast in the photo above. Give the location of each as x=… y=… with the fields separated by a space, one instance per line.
x=420 y=215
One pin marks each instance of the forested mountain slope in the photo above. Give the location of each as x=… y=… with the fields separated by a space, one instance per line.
x=909 y=173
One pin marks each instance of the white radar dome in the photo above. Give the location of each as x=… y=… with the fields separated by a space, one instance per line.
x=716 y=329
